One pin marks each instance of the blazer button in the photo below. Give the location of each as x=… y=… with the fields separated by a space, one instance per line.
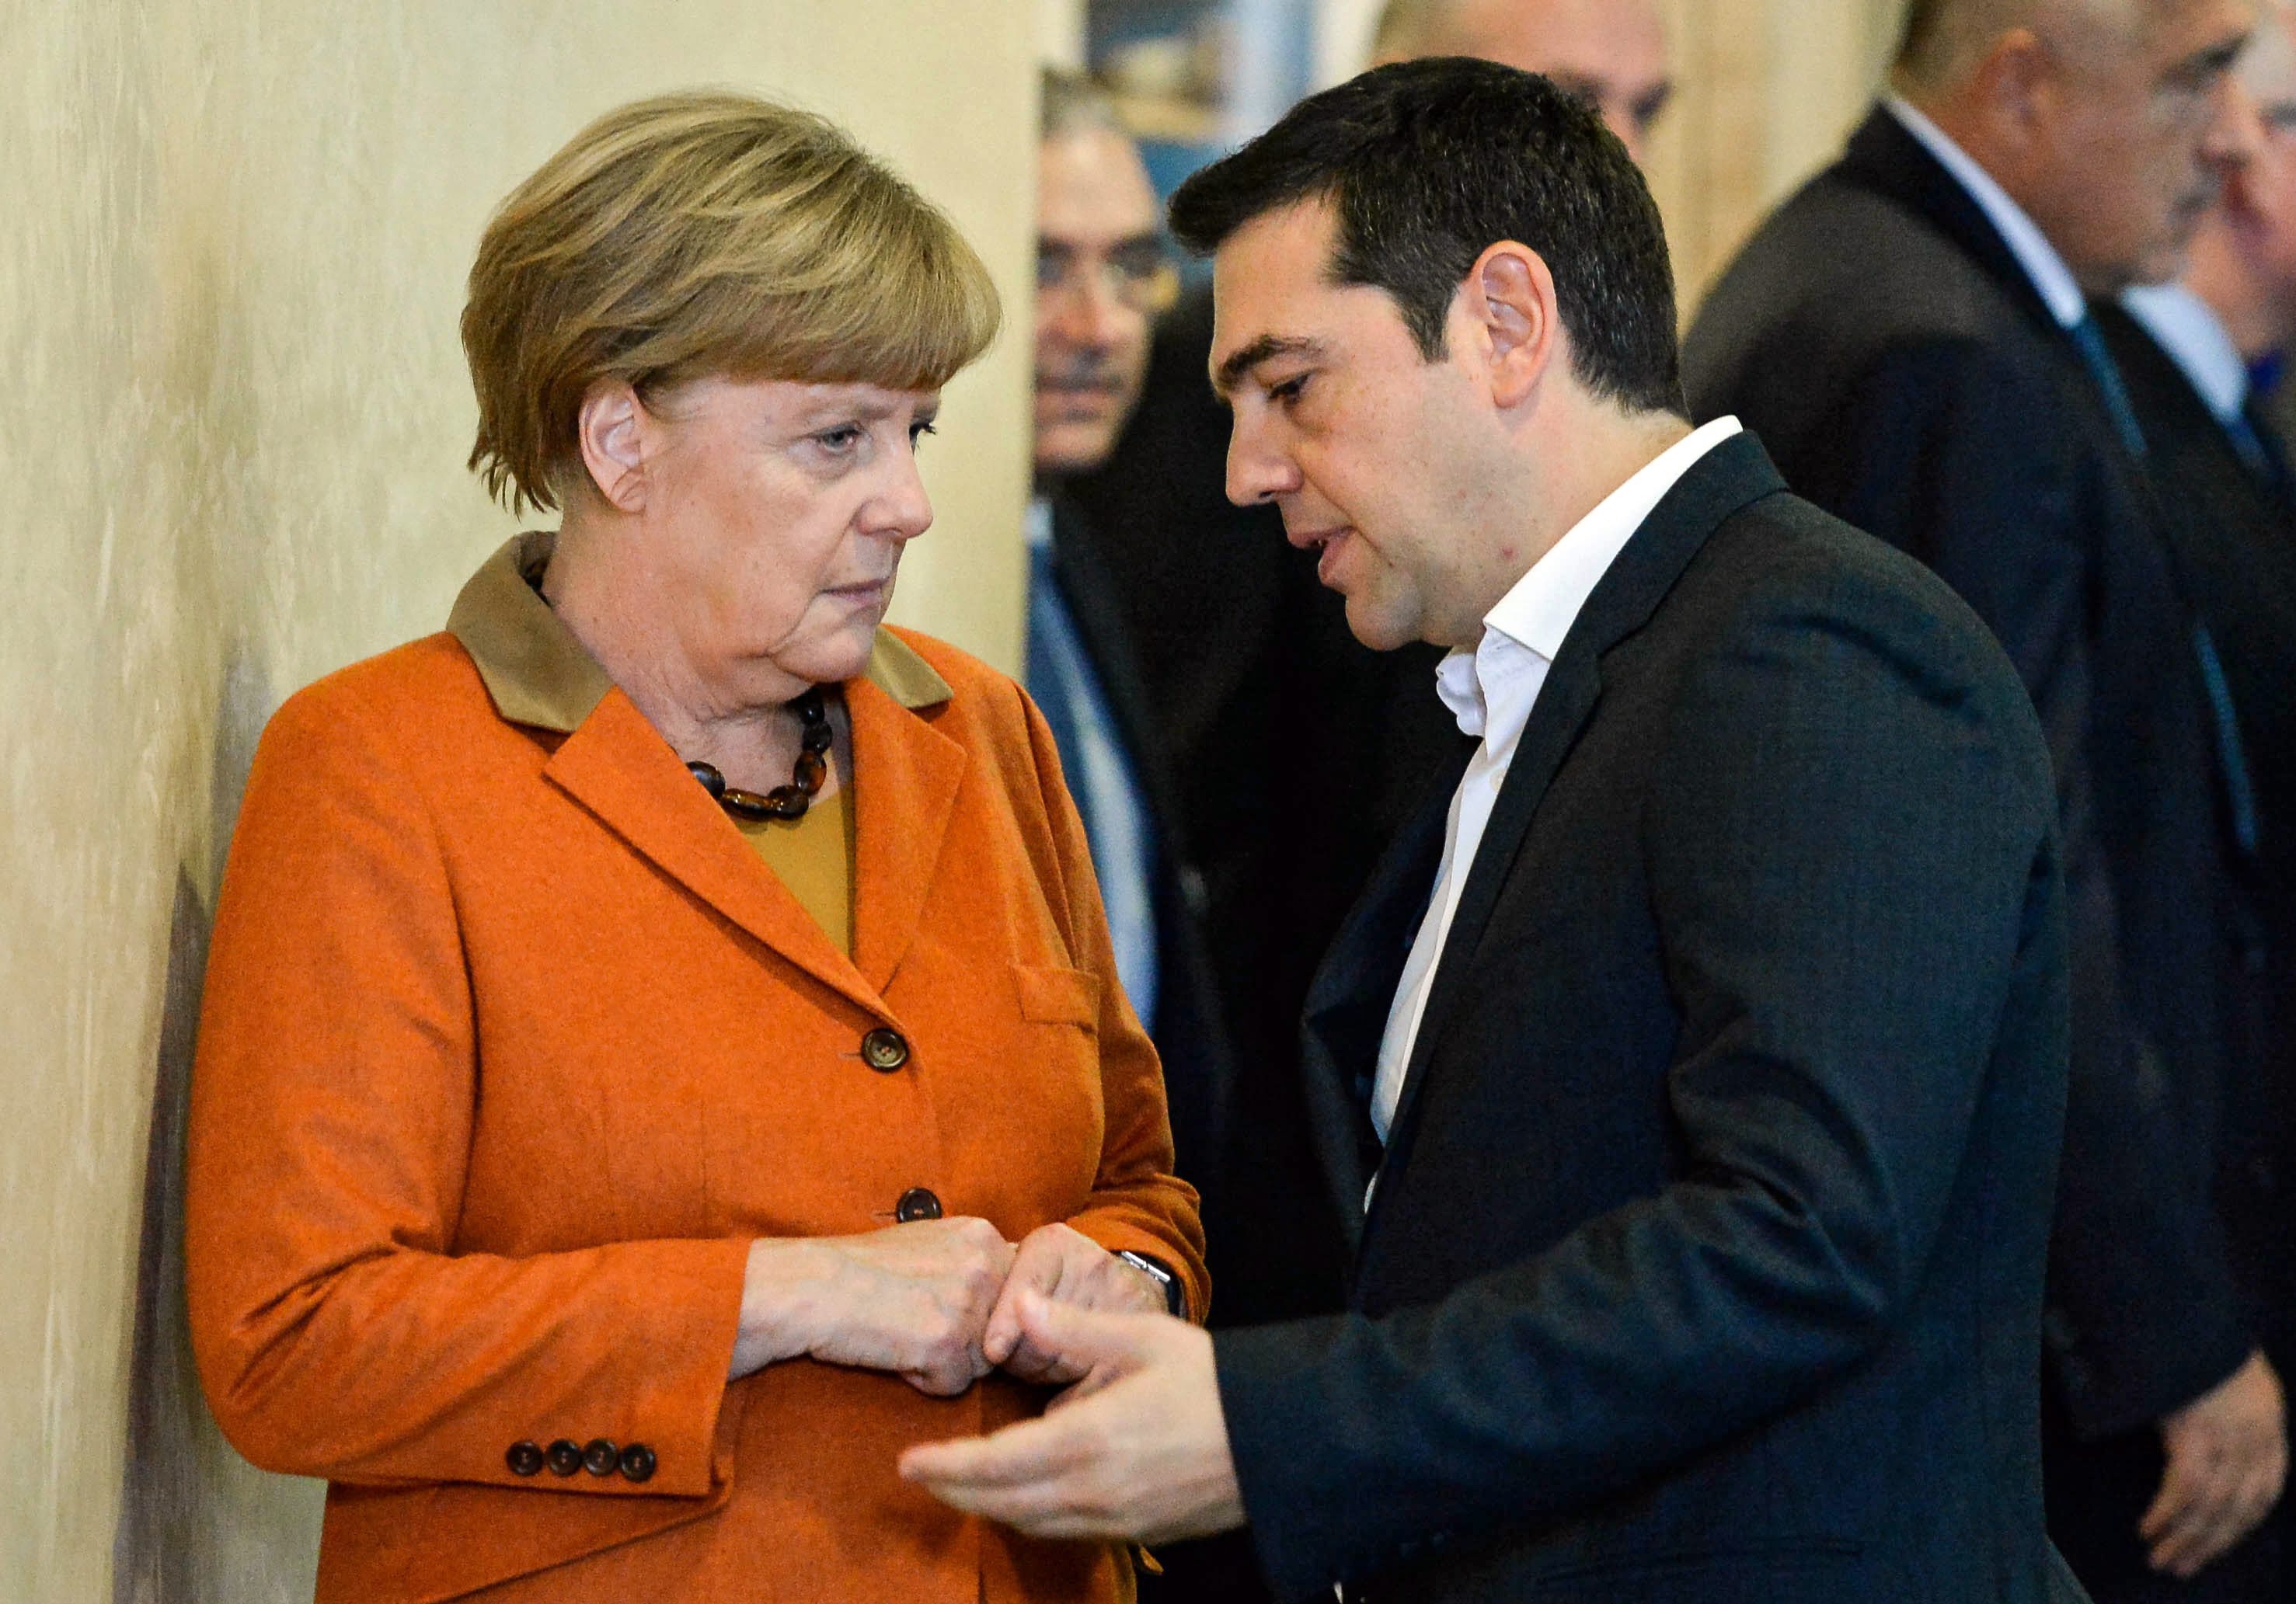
x=565 y=1457
x=524 y=1459
x=884 y=1050
x=600 y=1456
x=637 y=1462
x=916 y=1204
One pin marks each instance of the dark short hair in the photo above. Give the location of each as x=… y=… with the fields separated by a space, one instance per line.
x=1428 y=164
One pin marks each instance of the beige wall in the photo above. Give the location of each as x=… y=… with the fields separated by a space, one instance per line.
x=1768 y=88
x=236 y=235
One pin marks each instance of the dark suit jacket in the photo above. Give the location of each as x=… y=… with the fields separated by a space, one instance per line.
x=1706 y=1260
x=1909 y=378
x=1295 y=754
x=2234 y=531
x=1190 y=1030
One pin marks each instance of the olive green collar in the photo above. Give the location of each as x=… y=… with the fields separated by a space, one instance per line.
x=539 y=675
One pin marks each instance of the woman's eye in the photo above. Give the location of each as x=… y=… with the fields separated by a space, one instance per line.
x=840 y=439
x=918 y=431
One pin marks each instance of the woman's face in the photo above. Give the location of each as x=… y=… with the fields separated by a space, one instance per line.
x=775 y=514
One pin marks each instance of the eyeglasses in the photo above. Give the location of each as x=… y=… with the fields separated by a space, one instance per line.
x=1139 y=273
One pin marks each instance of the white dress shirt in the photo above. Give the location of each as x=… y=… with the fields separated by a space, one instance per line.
x=2023 y=236
x=1491 y=690
x=2188 y=329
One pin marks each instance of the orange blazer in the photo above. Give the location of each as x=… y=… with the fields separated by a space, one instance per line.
x=512 y=1044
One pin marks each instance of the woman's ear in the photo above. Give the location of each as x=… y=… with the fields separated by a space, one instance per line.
x=1513 y=296
x=612 y=428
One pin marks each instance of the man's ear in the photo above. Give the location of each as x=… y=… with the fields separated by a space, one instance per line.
x=2015 y=88
x=1510 y=296
x=612 y=428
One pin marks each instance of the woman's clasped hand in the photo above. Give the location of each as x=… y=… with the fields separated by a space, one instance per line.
x=931 y=1301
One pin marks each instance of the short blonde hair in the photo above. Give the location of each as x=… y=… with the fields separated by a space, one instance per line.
x=702 y=234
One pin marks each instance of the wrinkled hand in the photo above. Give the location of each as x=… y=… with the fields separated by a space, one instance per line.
x=1137 y=1450
x=913 y=1299
x=2228 y=1454
x=1069 y=1267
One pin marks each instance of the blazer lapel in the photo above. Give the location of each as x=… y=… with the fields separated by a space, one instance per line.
x=905 y=776
x=1720 y=484
x=618 y=765
x=1885 y=157
x=1347 y=1007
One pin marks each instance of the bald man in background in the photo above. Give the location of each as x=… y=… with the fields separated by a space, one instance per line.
x=1912 y=335
x=1610 y=54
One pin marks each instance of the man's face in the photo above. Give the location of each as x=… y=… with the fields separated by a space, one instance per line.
x=1378 y=459
x=1611 y=53
x=2137 y=137
x=1100 y=272
x=2266 y=188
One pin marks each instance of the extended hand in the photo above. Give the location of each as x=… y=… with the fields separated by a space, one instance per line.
x=1069 y=1267
x=1138 y=1451
x=2228 y=1454
x=913 y=1299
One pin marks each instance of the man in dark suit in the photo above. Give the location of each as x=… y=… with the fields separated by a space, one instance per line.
x=1265 y=710
x=1910 y=334
x=2190 y=352
x=1700 y=1048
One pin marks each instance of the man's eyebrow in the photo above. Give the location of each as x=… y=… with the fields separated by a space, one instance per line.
x=1262 y=349
x=2210 y=63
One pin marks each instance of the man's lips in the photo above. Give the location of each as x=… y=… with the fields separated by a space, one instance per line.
x=1327 y=543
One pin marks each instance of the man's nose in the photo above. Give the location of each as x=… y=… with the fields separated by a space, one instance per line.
x=2235 y=133
x=1085 y=309
x=1256 y=471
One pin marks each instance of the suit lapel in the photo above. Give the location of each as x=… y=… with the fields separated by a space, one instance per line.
x=1885 y=157
x=1347 y=1006
x=1722 y=483
x=616 y=765
x=905 y=776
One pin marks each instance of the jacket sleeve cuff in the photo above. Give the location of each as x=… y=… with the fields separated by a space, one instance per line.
x=660 y=1435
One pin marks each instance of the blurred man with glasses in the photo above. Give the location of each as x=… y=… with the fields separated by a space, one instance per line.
x=1104 y=271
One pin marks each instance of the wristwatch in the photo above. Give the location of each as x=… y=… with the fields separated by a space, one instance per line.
x=1176 y=1292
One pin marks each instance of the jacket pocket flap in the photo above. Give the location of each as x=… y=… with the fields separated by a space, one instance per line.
x=1058 y=996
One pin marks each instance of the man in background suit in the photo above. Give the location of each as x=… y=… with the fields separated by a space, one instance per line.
x=1266 y=711
x=1104 y=269
x=1101 y=269
x=1700 y=1046
x=1910 y=334
x=2187 y=351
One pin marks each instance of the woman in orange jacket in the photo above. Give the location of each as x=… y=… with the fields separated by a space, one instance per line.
x=656 y=1028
